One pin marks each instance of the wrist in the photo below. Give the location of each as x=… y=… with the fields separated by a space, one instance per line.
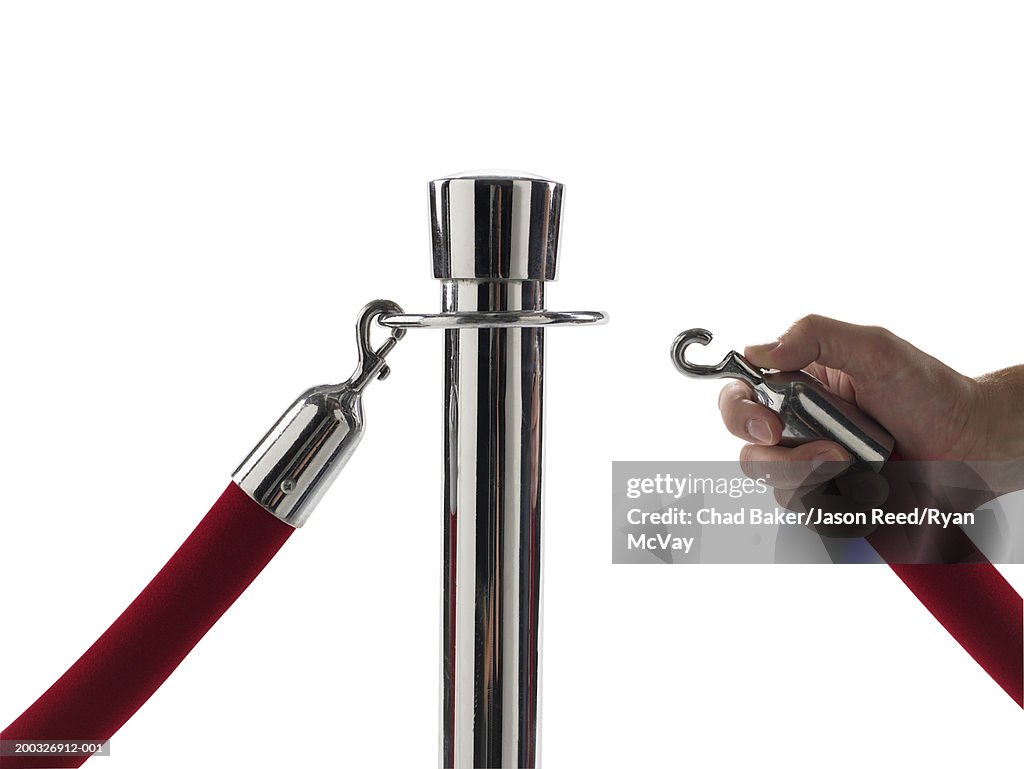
x=1000 y=395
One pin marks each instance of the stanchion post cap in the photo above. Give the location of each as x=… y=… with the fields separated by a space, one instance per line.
x=495 y=225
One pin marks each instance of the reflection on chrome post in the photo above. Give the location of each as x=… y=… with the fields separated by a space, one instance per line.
x=494 y=244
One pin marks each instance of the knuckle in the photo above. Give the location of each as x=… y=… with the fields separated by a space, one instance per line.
x=881 y=335
x=805 y=326
x=809 y=321
x=879 y=342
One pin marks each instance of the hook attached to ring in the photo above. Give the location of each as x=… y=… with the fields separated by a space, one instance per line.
x=733 y=365
x=371 y=362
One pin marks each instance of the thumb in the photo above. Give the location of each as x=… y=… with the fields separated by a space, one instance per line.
x=833 y=343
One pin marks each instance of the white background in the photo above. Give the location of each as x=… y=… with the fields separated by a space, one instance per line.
x=195 y=200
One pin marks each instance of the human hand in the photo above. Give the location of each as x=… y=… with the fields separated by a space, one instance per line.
x=933 y=412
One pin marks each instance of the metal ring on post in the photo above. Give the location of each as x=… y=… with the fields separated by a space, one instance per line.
x=504 y=319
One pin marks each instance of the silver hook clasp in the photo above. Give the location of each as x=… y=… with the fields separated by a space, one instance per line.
x=733 y=365
x=371 y=362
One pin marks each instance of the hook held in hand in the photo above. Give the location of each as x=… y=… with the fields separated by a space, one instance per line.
x=732 y=366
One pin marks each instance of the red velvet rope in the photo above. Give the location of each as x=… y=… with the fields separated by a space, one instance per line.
x=970 y=598
x=136 y=654
x=237 y=538
x=981 y=610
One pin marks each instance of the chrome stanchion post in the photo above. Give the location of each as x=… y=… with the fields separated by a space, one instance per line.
x=495 y=243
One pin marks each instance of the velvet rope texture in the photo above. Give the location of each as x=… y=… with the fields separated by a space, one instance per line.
x=954 y=581
x=137 y=653
x=980 y=609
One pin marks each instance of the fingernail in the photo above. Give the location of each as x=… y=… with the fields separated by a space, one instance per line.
x=759 y=430
x=827 y=457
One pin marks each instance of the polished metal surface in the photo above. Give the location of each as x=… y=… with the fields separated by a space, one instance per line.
x=807 y=408
x=489 y=226
x=507 y=319
x=298 y=459
x=494 y=399
x=495 y=242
